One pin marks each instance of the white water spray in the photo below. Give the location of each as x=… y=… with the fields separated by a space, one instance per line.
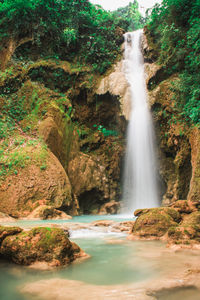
x=140 y=187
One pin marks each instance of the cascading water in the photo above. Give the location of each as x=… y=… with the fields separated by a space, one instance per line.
x=140 y=187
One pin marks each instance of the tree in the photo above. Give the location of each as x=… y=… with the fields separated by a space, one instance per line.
x=175 y=28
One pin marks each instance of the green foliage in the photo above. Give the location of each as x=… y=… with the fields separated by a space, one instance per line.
x=105 y=131
x=13 y=111
x=175 y=29
x=33 y=17
x=16 y=152
x=43 y=167
x=14 y=108
x=62 y=29
x=129 y=18
x=7 y=125
x=70 y=35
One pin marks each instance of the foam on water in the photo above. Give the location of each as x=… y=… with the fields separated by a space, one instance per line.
x=94 y=232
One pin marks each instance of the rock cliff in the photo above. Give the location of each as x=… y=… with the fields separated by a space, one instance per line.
x=66 y=144
x=177 y=141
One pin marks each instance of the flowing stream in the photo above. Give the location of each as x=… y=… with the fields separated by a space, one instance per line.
x=115 y=264
x=140 y=187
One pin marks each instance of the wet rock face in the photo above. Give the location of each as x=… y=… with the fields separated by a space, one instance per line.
x=48 y=245
x=100 y=110
x=95 y=172
x=178 y=145
x=31 y=187
x=174 y=148
x=90 y=183
x=148 y=47
x=116 y=85
x=194 y=192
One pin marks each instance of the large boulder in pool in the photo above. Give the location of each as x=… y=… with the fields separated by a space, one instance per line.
x=50 y=246
x=153 y=223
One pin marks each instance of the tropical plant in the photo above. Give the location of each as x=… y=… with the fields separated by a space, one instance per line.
x=175 y=28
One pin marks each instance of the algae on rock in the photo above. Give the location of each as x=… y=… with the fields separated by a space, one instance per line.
x=47 y=245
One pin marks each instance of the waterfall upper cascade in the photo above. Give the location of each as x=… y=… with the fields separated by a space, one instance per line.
x=140 y=187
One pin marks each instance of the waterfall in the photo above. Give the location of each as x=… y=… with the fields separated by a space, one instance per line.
x=140 y=187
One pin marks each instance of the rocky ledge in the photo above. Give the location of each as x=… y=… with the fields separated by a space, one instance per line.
x=46 y=212
x=39 y=247
x=179 y=225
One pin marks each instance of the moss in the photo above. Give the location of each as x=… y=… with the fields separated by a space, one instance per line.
x=49 y=245
x=8 y=231
x=175 y=233
x=173 y=214
x=47 y=238
x=177 y=242
x=153 y=222
x=188 y=231
x=187 y=242
x=171 y=231
x=19 y=151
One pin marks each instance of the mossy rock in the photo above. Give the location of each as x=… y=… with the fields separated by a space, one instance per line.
x=49 y=245
x=184 y=234
x=183 y=206
x=46 y=212
x=8 y=231
x=168 y=210
x=192 y=219
x=187 y=232
x=155 y=222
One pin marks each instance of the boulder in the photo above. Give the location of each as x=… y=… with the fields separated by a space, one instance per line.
x=140 y=211
x=8 y=231
x=46 y=212
x=125 y=226
x=111 y=208
x=34 y=185
x=188 y=232
x=104 y=223
x=153 y=223
x=48 y=245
